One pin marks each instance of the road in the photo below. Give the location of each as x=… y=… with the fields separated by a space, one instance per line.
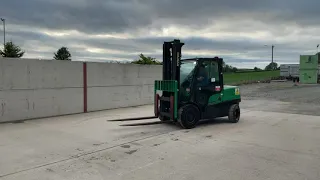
x=273 y=140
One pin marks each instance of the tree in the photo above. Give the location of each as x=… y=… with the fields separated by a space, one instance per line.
x=234 y=69
x=272 y=66
x=146 y=60
x=11 y=50
x=62 y=54
x=257 y=69
x=228 y=68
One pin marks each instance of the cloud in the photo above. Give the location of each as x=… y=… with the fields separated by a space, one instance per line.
x=99 y=30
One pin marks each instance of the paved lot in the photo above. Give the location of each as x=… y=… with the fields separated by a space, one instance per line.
x=273 y=140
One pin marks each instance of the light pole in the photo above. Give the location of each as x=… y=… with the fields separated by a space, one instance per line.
x=4 y=31
x=272 y=47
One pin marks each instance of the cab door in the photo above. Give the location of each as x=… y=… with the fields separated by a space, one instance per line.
x=215 y=73
x=209 y=92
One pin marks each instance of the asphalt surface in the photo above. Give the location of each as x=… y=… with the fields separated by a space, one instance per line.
x=278 y=137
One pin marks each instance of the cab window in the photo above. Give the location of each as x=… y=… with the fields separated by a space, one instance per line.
x=212 y=69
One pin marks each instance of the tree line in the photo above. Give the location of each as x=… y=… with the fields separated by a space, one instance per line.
x=152 y=61
x=14 y=51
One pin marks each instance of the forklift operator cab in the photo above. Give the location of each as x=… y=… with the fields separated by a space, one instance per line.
x=206 y=72
x=200 y=80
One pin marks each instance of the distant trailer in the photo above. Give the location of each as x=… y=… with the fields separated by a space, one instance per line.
x=289 y=71
x=292 y=72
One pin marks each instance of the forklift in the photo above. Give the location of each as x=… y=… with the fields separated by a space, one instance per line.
x=192 y=90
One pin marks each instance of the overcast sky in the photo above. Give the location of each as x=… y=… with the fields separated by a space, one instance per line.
x=96 y=30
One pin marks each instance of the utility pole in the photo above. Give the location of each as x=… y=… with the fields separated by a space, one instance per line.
x=272 y=54
x=4 y=31
x=272 y=47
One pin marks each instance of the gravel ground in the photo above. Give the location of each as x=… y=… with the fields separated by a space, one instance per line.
x=282 y=91
x=282 y=97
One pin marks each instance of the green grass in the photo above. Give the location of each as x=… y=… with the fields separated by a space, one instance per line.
x=236 y=78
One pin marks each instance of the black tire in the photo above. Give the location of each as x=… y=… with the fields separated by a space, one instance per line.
x=189 y=116
x=234 y=113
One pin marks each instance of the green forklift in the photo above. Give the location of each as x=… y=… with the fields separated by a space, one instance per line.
x=193 y=89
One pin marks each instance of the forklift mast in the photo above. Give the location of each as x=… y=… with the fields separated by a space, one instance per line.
x=169 y=85
x=171 y=60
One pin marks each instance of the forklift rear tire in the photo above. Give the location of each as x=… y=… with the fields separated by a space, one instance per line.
x=234 y=113
x=189 y=116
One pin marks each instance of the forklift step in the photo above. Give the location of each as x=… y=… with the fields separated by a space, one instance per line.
x=165 y=99
x=165 y=114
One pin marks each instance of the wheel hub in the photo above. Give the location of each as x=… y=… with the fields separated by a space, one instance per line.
x=236 y=113
x=190 y=117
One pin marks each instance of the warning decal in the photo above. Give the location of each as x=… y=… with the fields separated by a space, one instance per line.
x=237 y=91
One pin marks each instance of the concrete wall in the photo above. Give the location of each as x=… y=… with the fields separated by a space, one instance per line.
x=43 y=88
x=120 y=85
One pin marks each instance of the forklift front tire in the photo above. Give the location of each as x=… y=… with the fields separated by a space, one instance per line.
x=234 y=113
x=189 y=116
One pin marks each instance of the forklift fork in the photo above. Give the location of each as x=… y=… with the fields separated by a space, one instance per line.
x=133 y=119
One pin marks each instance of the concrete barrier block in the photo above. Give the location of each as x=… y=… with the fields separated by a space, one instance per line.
x=28 y=104
x=108 y=74
x=14 y=74
x=55 y=74
x=101 y=98
x=55 y=102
